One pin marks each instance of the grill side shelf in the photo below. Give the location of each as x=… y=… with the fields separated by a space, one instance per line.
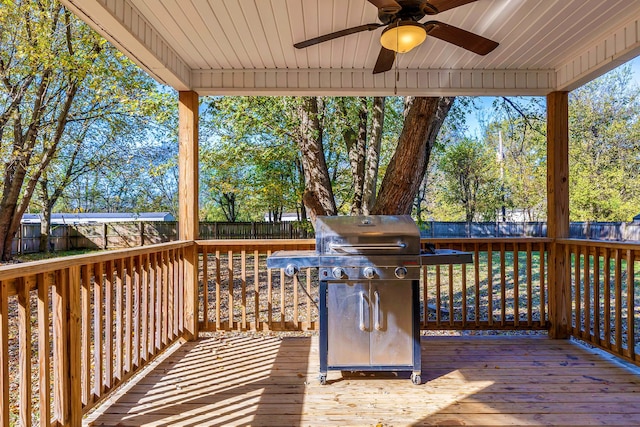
x=446 y=256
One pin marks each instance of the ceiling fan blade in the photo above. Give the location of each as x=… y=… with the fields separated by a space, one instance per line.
x=337 y=34
x=385 y=60
x=459 y=37
x=387 y=6
x=442 y=5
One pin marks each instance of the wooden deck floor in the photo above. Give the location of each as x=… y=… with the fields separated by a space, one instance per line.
x=261 y=380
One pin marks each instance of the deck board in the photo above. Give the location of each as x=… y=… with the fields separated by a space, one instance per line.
x=272 y=381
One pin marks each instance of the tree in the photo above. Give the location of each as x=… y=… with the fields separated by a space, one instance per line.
x=55 y=71
x=604 y=182
x=471 y=179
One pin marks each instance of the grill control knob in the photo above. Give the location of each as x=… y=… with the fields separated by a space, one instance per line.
x=401 y=272
x=291 y=270
x=369 y=272
x=339 y=273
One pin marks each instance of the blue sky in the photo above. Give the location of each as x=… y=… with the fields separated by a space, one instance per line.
x=484 y=105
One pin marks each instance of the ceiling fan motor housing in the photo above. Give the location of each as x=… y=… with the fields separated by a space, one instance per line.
x=413 y=10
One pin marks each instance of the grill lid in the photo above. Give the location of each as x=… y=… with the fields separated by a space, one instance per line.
x=367 y=235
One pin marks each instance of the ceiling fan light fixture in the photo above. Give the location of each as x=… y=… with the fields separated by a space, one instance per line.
x=403 y=36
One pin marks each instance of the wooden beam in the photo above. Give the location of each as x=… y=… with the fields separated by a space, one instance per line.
x=188 y=212
x=558 y=211
x=188 y=165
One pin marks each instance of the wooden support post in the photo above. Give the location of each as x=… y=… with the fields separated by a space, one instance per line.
x=188 y=200
x=558 y=211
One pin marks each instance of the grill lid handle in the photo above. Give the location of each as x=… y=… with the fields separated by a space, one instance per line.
x=352 y=249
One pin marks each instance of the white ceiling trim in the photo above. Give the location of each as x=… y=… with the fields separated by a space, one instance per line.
x=136 y=38
x=362 y=82
x=603 y=55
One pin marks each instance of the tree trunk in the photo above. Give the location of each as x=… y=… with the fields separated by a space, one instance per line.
x=408 y=166
x=318 y=195
x=356 y=147
x=373 y=156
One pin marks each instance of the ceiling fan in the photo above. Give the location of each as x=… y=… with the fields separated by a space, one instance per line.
x=403 y=30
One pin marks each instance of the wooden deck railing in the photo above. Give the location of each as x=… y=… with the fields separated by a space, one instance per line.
x=72 y=329
x=605 y=299
x=505 y=287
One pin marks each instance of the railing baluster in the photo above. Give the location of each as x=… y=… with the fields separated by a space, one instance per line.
x=170 y=281
x=108 y=321
x=144 y=333
x=256 y=289
x=176 y=301
x=230 y=290
x=74 y=333
x=165 y=298
x=425 y=291
x=4 y=354
x=516 y=286
x=596 y=296
x=137 y=304
x=269 y=295
x=98 y=322
x=309 y=300
x=24 y=351
x=205 y=287
x=44 y=380
x=463 y=269
x=618 y=302
x=451 y=308
x=503 y=285
x=181 y=289
x=87 y=396
x=218 y=282
x=438 y=296
x=61 y=391
x=607 y=299
x=631 y=341
x=128 y=310
x=283 y=288
x=490 y=283
x=542 y=273
x=476 y=272
x=586 y=296
x=576 y=281
x=119 y=318
x=159 y=296
x=295 y=301
x=243 y=284
x=153 y=280
x=529 y=286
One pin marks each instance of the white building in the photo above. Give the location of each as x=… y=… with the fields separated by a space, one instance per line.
x=99 y=218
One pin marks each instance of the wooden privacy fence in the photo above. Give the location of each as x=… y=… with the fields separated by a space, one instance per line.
x=505 y=288
x=132 y=234
x=605 y=295
x=109 y=316
x=109 y=235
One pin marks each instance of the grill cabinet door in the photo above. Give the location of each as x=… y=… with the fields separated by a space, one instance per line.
x=392 y=323
x=348 y=324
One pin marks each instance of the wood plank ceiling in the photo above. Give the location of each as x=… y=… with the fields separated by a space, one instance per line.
x=246 y=46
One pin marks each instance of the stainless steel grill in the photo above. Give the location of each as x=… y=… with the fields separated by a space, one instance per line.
x=369 y=270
